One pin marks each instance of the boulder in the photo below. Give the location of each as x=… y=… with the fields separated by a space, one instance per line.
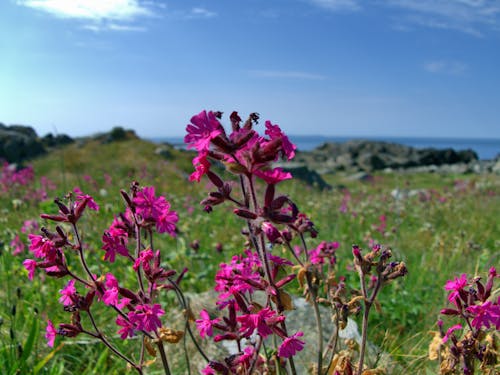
x=18 y=143
x=371 y=156
x=309 y=176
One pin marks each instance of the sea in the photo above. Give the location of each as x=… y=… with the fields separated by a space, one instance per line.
x=486 y=148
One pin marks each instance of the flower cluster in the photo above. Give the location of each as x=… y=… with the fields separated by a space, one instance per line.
x=136 y=310
x=257 y=274
x=461 y=346
x=252 y=301
x=12 y=178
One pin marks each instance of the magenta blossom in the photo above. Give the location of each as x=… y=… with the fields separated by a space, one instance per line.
x=205 y=324
x=167 y=220
x=203 y=128
x=291 y=345
x=30 y=226
x=68 y=293
x=110 y=296
x=485 y=315
x=42 y=247
x=30 y=266
x=450 y=331
x=127 y=329
x=455 y=286
x=274 y=132
x=146 y=317
x=148 y=205
x=91 y=204
x=18 y=245
x=143 y=259
x=261 y=321
x=273 y=176
x=50 y=334
x=114 y=243
x=202 y=166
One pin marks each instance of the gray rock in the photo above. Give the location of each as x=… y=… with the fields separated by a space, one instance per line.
x=18 y=143
x=371 y=156
x=303 y=173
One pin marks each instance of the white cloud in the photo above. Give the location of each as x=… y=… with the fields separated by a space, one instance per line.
x=285 y=74
x=445 y=67
x=467 y=16
x=99 y=27
x=115 y=10
x=201 y=13
x=338 y=5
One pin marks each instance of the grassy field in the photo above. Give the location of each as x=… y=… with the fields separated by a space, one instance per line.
x=439 y=225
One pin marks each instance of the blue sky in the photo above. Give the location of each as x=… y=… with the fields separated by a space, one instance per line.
x=326 y=67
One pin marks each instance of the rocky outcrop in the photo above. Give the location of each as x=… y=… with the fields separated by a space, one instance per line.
x=18 y=143
x=371 y=156
x=303 y=173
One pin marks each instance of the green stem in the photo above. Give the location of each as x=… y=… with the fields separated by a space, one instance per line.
x=103 y=338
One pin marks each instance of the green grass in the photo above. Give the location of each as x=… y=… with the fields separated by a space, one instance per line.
x=450 y=232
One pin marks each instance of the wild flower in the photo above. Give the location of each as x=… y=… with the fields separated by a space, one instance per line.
x=253 y=301
x=50 y=333
x=479 y=311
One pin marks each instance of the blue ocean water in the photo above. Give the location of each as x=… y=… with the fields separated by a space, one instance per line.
x=486 y=149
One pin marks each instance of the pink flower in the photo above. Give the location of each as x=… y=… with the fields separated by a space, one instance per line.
x=167 y=220
x=456 y=286
x=68 y=293
x=450 y=331
x=149 y=206
x=110 y=296
x=113 y=244
x=116 y=230
x=205 y=324
x=202 y=166
x=50 y=334
x=143 y=259
x=291 y=345
x=203 y=128
x=274 y=176
x=127 y=329
x=208 y=370
x=485 y=315
x=30 y=266
x=18 y=245
x=274 y=132
x=262 y=322
x=42 y=247
x=29 y=226
x=80 y=197
x=146 y=317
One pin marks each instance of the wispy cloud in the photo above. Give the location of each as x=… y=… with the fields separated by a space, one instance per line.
x=445 y=67
x=338 y=5
x=98 y=15
x=99 y=27
x=285 y=74
x=201 y=13
x=467 y=16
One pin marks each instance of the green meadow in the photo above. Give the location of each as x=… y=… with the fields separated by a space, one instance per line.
x=440 y=225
